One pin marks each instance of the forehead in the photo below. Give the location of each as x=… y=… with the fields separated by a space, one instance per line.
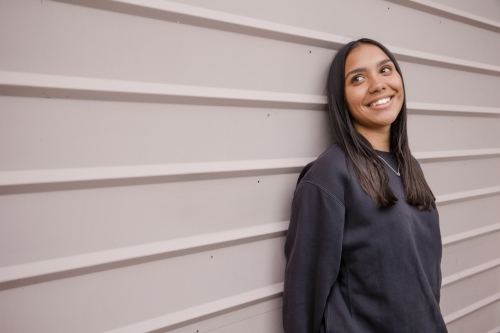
x=364 y=56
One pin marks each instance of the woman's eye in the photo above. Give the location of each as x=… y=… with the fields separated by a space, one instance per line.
x=385 y=70
x=357 y=79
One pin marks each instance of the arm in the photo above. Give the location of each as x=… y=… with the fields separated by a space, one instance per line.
x=313 y=251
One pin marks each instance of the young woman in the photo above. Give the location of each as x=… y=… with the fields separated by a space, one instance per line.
x=363 y=248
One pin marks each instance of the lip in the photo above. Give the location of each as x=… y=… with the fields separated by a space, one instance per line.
x=381 y=106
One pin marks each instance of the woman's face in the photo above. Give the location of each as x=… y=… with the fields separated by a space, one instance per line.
x=373 y=89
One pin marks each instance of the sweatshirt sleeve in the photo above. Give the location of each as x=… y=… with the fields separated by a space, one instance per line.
x=313 y=251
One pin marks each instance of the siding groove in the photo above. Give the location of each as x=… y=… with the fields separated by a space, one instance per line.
x=25 y=274
x=463 y=236
x=434 y=156
x=470 y=272
x=171 y=172
x=448 y=12
x=467 y=195
x=57 y=86
x=187 y=316
x=46 y=270
x=187 y=14
x=120 y=175
x=471 y=308
x=448 y=109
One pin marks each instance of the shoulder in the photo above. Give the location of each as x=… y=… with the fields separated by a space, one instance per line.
x=329 y=172
x=331 y=163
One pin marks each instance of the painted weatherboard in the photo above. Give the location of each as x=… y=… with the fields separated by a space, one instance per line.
x=149 y=152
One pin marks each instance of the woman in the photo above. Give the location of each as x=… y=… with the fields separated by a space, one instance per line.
x=364 y=247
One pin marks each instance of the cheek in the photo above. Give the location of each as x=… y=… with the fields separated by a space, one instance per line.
x=397 y=84
x=353 y=98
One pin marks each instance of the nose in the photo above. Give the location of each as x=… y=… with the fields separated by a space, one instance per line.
x=377 y=84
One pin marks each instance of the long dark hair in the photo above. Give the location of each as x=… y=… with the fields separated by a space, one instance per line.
x=371 y=172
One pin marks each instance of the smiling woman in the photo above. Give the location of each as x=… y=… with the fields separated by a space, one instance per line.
x=374 y=93
x=364 y=247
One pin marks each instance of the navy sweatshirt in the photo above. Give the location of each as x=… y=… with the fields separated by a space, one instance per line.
x=353 y=267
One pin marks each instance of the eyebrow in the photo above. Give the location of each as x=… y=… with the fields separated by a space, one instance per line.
x=363 y=69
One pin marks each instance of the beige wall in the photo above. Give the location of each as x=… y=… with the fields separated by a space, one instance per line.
x=149 y=151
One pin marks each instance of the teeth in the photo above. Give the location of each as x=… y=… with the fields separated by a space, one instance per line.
x=381 y=101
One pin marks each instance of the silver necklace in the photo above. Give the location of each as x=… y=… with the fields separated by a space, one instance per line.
x=396 y=172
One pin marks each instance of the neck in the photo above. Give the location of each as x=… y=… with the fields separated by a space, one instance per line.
x=379 y=139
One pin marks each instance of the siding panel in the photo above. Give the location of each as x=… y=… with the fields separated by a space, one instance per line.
x=113 y=298
x=63 y=223
x=59 y=133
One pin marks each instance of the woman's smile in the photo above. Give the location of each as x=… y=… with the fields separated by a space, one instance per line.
x=383 y=102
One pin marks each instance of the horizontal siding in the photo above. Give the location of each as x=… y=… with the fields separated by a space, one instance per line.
x=470 y=290
x=456 y=218
x=123 y=296
x=486 y=10
x=114 y=217
x=221 y=47
x=122 y=207
x=473 y=14
x=421 y=31
x=486 y=174
x=453 y=132
x=481 y=320
x=262 y=315
x=97 y=134
x=15 y=275
x=469 y=253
